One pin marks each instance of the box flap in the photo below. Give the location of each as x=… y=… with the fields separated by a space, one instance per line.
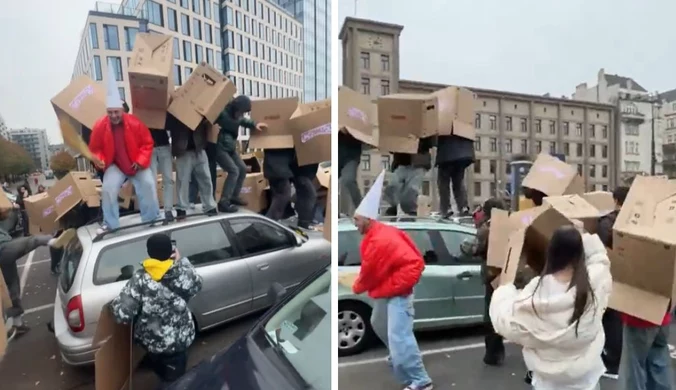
x=323 y=176
x=498 y=238
x=83 y=101
x=638 y=303
x=602 y=200
x=355 y=115
x=553 y=177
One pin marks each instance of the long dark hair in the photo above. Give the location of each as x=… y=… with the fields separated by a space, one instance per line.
x=566 y=249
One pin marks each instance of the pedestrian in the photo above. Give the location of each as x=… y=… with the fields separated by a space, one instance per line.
x=391 y=266
x=162 y=161
x=612 y=319
x=454 y=155
x=122 y=148
x=230 y=120
x=409 y=172
x=349 y=158
x=556 y=317
x=155 y=303
x=188 y=147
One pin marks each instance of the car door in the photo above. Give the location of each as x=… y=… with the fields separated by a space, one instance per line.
x=467 y=282
x=227 y=288
x=268 y=250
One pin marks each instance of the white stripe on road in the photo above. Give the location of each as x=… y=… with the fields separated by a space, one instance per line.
x=35 y=262
x=39 y=308
x=424 y=353
x=26 y=269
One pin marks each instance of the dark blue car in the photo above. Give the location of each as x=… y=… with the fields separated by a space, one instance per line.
x=289 y=348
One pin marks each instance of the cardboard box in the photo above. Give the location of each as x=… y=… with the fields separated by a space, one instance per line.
x=575 y=207
x=643 y=259
x=151 y=78
x=276 y=113
x=553 y=177
x=41 y=212
x=356 y=115
x=82 y=102
x=5 y=203
x=456 y=112
x=323 y=176
x=311 y=125
x=424 y=206
x=71 y=190
x=602 y=200
x=203 y=96
x=503 y=224
x=253 y=192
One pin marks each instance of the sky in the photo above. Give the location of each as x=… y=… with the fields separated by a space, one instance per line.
x=42 y=38
x=529 y=46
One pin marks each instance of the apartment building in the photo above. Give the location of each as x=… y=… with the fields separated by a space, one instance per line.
x=35 y=142
x=4 y=131
x=639 y=119
x=507 y=123
x=668 y=102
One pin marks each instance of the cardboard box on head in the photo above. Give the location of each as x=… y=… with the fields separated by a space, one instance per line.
x=456 y=112
x=82 y=102
x=5 y=203
x=575 y=207
x=42 y=213
x=151 y=77
x=311 y=125
x=356 y=115
x=602 y=200
x=276 y=113
x=553 y=177
x=643 y=258
x=71 y=190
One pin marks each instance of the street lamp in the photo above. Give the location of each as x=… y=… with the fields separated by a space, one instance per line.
x=655 y=104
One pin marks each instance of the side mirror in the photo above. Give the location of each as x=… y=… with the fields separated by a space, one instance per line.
x=275 y=293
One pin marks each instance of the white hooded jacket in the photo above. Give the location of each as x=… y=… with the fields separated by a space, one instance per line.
x=558 y=357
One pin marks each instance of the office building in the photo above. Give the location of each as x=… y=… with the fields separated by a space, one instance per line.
x=315 y=15
x=262 y=49
x=507 y=123
x=668 y=111
x=4 y=131
x=35 y=142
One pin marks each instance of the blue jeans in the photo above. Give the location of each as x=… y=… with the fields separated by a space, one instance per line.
x=645 y=362
x=392 y=321
x=162 y=160
x=194 y=164
x=232 y=163
x=145 y=186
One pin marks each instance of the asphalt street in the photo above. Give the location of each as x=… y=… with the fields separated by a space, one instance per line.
x=33 y=361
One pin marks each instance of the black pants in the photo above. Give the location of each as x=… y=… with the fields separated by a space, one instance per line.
x=452 y=174
x=55 y=255
x=211 y=156
x=306 y=197
x=612 y=326
x=495 y=348
x=168 y=367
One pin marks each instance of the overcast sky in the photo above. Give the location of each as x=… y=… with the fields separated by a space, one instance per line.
x=529 y=46
x=40 y=40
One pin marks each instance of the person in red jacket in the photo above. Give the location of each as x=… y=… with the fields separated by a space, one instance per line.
x=391 y=266
x=122 y=146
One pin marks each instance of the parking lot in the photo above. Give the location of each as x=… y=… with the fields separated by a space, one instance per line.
x=33 y=361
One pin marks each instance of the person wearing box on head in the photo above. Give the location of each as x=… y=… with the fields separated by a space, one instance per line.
x=454 y=155
x=162 y=161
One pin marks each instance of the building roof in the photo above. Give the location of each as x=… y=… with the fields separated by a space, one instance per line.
x=668 y=96
x=368 y=22
x=613 y=79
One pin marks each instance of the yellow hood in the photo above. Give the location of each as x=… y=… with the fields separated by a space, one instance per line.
x=157 y=268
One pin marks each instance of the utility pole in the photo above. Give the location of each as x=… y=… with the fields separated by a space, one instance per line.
x=655 y=109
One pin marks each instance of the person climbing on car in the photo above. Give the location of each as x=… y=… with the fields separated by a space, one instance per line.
x=154 y=302
x=454 y=155
x=230 y=120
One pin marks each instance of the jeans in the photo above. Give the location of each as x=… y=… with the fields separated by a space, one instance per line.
x=231 y=163
x=197 y=164
x=193 y=189
x=145 y=186
x=392 y=321
x=404 y=189
x=451 y=174
x=280 y=189
x=10 y=253
x=163 y=160
x=306 y=198
x=645 y=362
x=348 y=180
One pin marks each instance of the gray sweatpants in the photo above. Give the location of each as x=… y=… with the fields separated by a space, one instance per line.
x=405 y=187
x=194 y=163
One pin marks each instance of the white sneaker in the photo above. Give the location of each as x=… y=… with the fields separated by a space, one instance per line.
x=192 y=206
x=101 y=230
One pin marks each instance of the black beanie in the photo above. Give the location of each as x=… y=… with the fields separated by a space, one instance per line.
x=159 y=246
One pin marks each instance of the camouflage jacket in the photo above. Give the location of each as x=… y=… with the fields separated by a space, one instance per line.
x=158 y=310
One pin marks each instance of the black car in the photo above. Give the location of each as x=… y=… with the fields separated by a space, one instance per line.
x=289 y=348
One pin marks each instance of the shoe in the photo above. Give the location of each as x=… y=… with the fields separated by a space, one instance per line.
x=180 y=215
x=168 y=216
x=391 y=211
x=50 y=327
x=428 y=386
x=529 y=377
x=237 y=201
x=21 y=329
x=227 y=208
x=56 y=272
x=611 y=374
x=102 y=230
x=192 y=206
x=11 y=333
x=63 y=239
x=494 y=361
x=211 y=212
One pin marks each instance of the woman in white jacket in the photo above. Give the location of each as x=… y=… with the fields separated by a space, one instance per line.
x=557 y=316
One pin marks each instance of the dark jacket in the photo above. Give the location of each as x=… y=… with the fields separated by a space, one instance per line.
x=183 y=139
x=605 y=228
x=349 y=149
x=454 y=149
x=422 y=159
x=227 y=138
x=278 y=163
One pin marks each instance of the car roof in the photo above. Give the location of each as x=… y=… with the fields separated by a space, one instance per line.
x=411 y=222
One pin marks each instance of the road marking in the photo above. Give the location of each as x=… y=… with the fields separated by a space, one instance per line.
x=26 y=269
x=39 y=308
x=423 y=353
x=35 y=263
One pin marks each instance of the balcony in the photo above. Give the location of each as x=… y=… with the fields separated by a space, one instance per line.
x=113 y=8
x=632 y=115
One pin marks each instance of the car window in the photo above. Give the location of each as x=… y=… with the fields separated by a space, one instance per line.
x=430 y=245
x=259 y=237
x=348 y=247
x=453 y=240
x=72 y=254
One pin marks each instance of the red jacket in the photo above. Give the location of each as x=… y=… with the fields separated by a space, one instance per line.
x=391 y=265
x=639 y=323
x=137 y=136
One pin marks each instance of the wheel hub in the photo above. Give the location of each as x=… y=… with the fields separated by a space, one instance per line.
x=351 y=329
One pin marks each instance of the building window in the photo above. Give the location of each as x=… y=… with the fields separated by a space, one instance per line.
x=566 y=148
x=96 y=68
x=538 y=146
x=187 y=51
x=578 y=150
x=229 y=19
x=93 y=36
x=508 y=123
x=111 y=37
x=592 y=150
x=604 y=132
x=199 y=54
x=385 y=62
x=477 y=167
x=365 y=162
x=196 y=6
x=566 y=128
x=365 y=86
x=604 y=171
x=172 y=19
x=177 y=49
x=631 y=129
x=492 y=167
x=494 y=190
x=238 y=20
x=217 y=13
x=187 y=71
x=592 y=131
x=552 y=127
x=524 y=146
x=524 y=125
x=115 y=65
x=208 y=38
x=477 y=188
x=604 y=151
x=177 y=75
x=210 y=57
x=508 y=146
x=217 y=37
x=130 y=37
x=552 y=147
x=207 y=8
x=578 y=129
x=365 y=60
x=154 y=13
x=185 y=25
x=477 y=144
x=538 y=126
x=185 y=4
x=123 y=95
x=493 y=122
x=197 y=29
x=592 y=170
x=477 y=121
x=494 y=144
x=508 y=168
x=579 y=169
x=384 y=87
x=385 y=161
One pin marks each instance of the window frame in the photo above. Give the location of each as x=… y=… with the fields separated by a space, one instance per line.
x=236 y=242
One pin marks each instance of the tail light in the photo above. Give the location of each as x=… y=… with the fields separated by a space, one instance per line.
x=75 y=314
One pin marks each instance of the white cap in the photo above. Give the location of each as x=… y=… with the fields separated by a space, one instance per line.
x=112 y=93
x=370 y=204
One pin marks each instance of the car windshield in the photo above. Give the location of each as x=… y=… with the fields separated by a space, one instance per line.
x=301 y=329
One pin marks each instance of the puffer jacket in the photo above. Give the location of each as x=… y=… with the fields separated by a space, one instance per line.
x=391 y=264
x=227 y=137
x=560 y=354
x=155 y=302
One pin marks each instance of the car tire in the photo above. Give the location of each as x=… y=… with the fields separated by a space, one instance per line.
x=354 y=317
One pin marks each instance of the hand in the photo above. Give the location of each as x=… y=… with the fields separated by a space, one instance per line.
x=176 y=255
x=261 y=126
x=98 y=163
x=135 y=167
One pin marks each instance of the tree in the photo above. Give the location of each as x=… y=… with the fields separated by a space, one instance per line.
x=62 y=163
x=14 y=160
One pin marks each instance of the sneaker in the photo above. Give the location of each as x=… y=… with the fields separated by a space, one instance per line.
x=103 y=229
x=237 y=201
x=180 y=215
x=428 y=386
x=168 y=216
x=11 y=333
x=529 y=377
x=21 y=329
x=227 y=207
x=611 y=374
x=211 y=212
x=192 y=206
